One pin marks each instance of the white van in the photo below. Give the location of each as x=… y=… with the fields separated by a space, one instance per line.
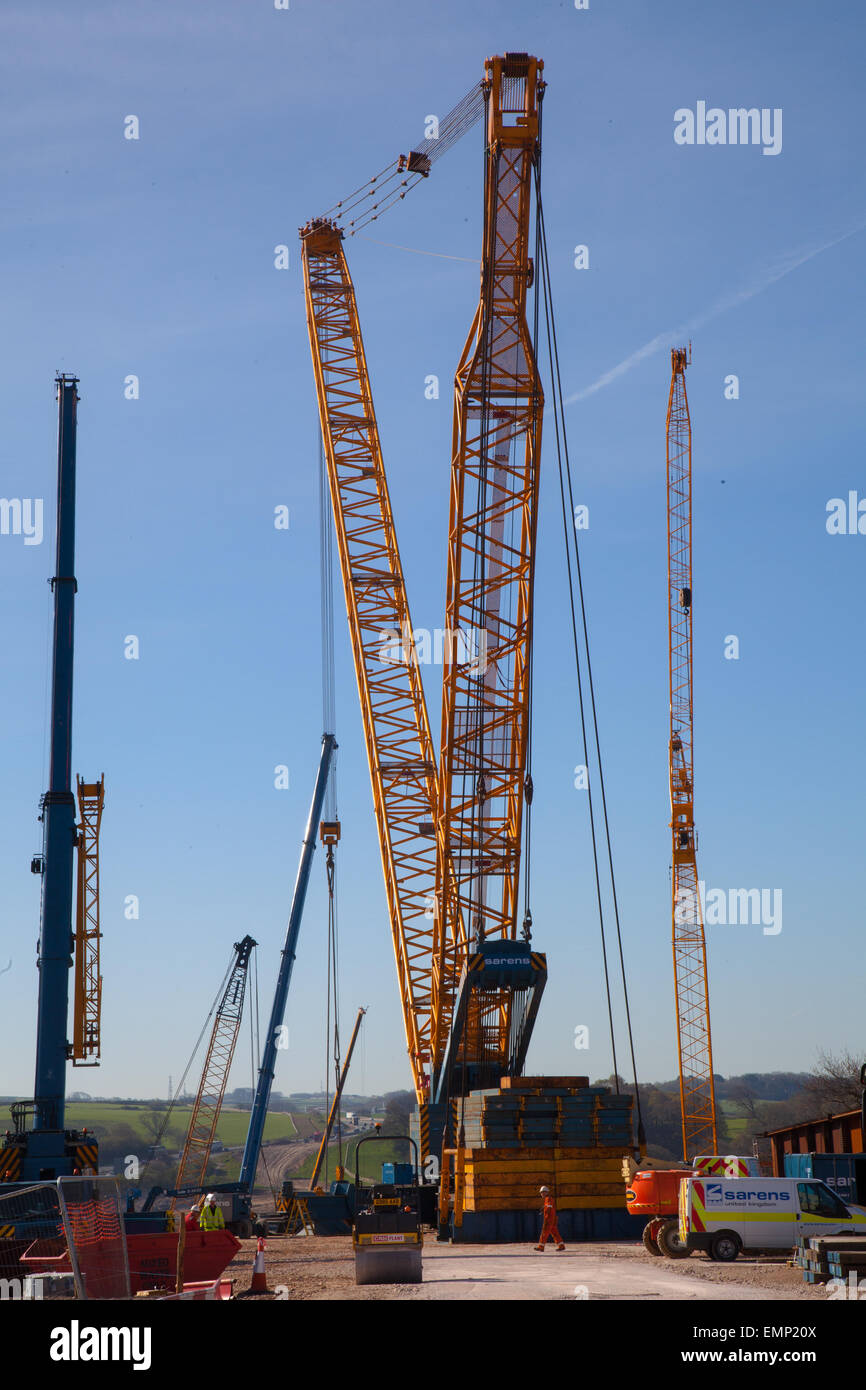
x=726 y=1215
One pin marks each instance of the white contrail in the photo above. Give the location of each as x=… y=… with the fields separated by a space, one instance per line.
x=721 y=306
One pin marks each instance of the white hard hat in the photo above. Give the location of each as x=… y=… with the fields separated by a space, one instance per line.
x=545 y=1190
x=211 y=1197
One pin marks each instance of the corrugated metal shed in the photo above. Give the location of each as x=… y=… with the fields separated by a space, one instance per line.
x=832 y=1134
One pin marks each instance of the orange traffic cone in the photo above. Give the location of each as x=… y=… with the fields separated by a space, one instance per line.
x=260 y=1280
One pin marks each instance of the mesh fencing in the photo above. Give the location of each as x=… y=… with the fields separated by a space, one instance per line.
x=63 y=1239
x=93 y=1220
x=33 y=1244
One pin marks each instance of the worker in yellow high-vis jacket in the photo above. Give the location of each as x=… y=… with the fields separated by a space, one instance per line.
x=211 y=1217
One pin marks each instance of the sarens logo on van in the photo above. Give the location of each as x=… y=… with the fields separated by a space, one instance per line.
x=718 y=1195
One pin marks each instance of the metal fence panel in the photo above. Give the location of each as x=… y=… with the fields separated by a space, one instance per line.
x=33 y=1244
x=93 y=1220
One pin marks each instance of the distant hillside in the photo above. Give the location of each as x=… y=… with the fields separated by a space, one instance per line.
x=763 y=1085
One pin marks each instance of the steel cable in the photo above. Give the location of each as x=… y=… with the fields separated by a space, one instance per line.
x=570 y=539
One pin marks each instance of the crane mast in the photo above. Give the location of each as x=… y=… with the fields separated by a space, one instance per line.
x=491 y=555
x=697 y=1092
x=400 y=752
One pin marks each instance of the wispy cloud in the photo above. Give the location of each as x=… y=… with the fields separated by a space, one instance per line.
x=671 y=336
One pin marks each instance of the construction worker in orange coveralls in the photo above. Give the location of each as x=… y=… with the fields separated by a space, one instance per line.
x=549 y=1228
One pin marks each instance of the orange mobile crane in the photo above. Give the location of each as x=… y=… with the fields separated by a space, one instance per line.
x=697 y=1092
x=450 y=841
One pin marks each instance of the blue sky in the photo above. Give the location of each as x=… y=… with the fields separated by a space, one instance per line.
x=155 y=257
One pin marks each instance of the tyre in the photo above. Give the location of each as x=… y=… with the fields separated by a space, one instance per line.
x=649 y=1237
x=724 y=1246
x=243 y=1230
x=669 y=1243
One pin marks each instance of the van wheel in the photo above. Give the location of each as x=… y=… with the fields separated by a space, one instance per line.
x=669 y=1243
x=724 y=1247
x=649 y=1237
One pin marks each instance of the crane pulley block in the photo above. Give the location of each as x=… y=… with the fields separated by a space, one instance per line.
x=495 y=1008
x=329 y=832
x=415 y=163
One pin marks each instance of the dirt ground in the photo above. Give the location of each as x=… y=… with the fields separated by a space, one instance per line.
x=320 y=1268
x=279 y=1161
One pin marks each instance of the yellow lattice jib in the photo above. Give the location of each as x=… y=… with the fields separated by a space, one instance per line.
x=88 y=980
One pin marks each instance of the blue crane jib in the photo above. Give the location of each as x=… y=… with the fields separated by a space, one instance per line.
x=259 y=1113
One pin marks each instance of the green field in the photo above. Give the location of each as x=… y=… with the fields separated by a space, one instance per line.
x=372 y=1158
x=308 y=1122
x=736 y=1123
x=103 y=1117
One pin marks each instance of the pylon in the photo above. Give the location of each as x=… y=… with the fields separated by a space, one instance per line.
x=260 y=1280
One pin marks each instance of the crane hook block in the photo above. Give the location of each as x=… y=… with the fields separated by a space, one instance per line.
x=329 y=832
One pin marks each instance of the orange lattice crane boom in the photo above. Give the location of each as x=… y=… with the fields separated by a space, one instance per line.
x=400 y=751
x=491 y=557
x=697 y=1092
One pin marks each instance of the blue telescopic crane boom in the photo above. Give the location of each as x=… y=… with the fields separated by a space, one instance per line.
x=58 y=808
x=255 y=1133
